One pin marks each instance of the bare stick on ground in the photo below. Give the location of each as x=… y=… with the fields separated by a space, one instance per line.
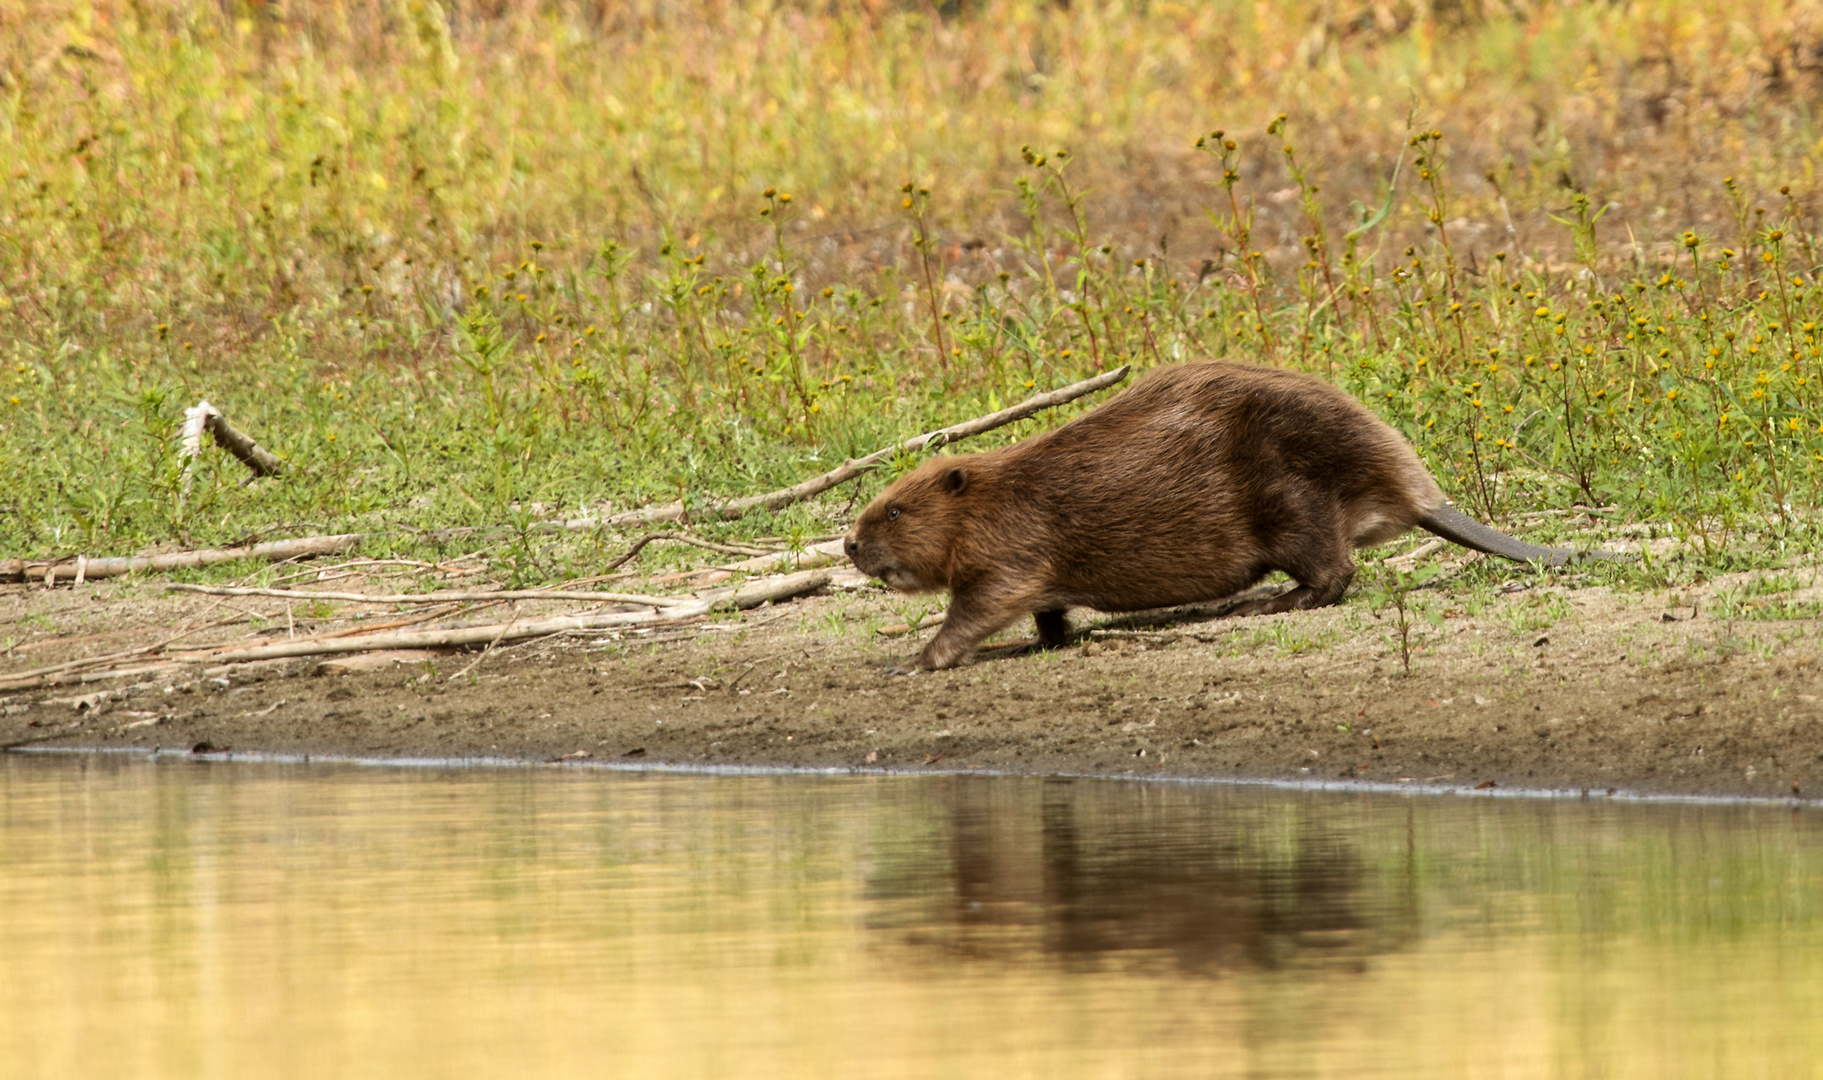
x=271 y=551
x=751 y=595
x=276 y=551
x=639 y=545
x=854 y=467
x=442 y=597
x=70 y=671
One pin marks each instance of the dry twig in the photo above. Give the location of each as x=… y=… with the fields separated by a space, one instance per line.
x=852 y=468
x=750 y=595
x=272 y=551
x=639 y=545
x=442 y=597
x=279 y=550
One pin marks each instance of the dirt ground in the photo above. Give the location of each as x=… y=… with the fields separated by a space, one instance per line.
x=1521 y=684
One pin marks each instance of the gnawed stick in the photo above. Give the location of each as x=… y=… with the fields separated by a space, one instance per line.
x=262 y=461
x=441 y=597
x=206 y=417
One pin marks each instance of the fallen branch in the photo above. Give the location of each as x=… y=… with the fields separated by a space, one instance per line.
x=52 y=674
x=77 y=678
x=279 y=550
x=751 y=595
x=639 y=544
x=271 y=551
x=374 y=628
x=854 y=467
x=827 y=553
x=441 y=597
x=68 y=672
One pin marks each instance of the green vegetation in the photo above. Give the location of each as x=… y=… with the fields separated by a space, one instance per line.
x=463 y=268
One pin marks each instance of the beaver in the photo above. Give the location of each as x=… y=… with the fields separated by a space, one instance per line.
x=1187 y=488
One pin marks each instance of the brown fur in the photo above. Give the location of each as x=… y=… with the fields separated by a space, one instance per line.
x=1189 y=487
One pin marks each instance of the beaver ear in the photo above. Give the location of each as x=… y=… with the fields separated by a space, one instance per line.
x=954 y=480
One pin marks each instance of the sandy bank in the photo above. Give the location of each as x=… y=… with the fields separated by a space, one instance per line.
x=1544 y=686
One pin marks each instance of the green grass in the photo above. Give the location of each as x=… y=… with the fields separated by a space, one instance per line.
x=1767 y=597
x=480 y=270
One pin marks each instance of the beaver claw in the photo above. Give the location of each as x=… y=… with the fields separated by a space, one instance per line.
x=902 y=669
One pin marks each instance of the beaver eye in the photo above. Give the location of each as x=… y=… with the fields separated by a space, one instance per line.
x=893 y=514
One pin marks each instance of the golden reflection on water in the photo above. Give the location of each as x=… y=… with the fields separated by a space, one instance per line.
x=181 y=919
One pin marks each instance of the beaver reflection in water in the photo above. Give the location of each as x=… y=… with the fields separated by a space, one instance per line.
x=1187 y=488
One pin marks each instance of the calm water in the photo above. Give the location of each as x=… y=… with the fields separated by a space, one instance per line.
x=182 y=919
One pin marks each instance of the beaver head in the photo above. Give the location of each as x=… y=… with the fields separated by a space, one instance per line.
x=906 y=535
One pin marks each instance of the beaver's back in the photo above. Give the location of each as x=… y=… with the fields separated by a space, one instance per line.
x=1190 y=485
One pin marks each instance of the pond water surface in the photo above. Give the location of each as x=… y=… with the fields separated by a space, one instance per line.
x=167 y=918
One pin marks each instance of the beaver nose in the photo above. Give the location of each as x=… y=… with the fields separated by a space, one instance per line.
x=850 y=548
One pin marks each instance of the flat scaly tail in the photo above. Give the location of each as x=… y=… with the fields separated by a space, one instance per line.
x=1452 y=524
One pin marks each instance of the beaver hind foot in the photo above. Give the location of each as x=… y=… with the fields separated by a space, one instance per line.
x=1053 y=628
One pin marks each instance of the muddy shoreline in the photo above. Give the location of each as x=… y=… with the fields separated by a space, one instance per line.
x=1547 y=687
